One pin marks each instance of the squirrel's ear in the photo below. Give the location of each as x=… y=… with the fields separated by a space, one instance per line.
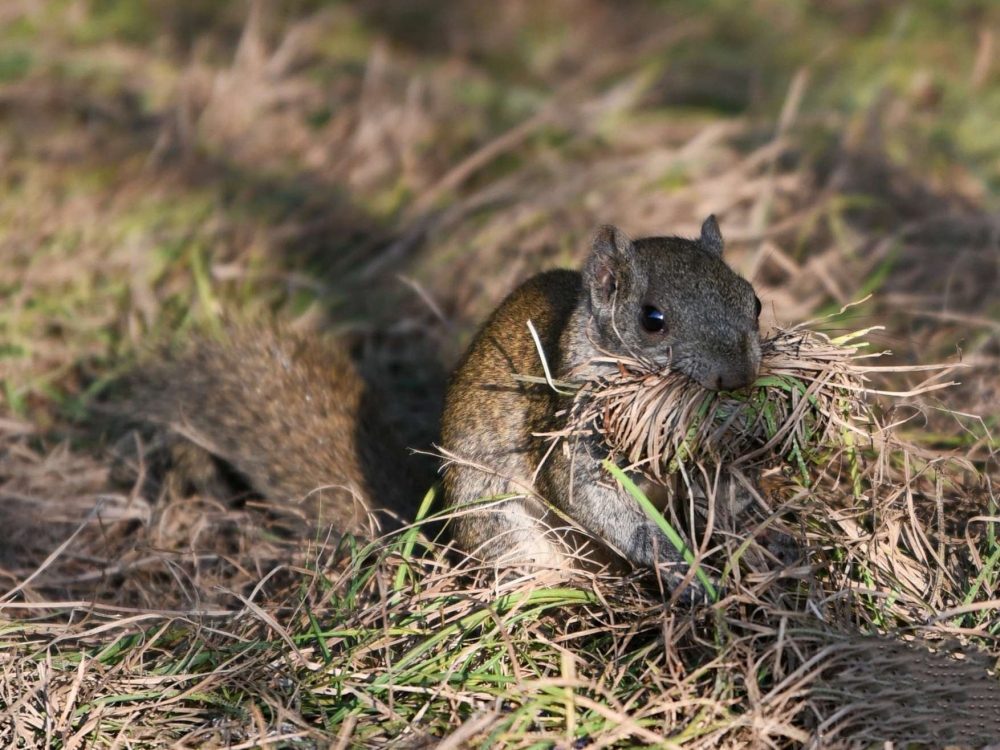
x=608 y=257
x=711 y=237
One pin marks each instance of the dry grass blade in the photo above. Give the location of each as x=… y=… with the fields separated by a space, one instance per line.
x=811 y=396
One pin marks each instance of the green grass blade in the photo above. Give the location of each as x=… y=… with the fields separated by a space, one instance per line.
x=661 y=522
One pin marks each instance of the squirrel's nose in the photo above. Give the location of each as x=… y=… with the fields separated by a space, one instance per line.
x=730 y=379
x=735 y=372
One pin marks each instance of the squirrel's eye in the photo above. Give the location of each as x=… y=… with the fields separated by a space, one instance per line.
x=652 y=319
x=756 y=302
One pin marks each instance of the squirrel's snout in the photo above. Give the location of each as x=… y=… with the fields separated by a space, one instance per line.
x=732 y=373
x=724 y=375
x=730 y=380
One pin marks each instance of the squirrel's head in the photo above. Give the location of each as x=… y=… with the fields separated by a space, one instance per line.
x=676 y=302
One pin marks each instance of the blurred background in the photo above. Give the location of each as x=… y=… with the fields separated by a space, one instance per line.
x=390 y=170
x=387 y=172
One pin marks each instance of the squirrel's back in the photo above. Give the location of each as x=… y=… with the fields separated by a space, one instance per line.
x=503 y=349
x=290 y=414
x=490 y=418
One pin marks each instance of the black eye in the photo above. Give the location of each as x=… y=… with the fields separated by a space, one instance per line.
x=652 y=319
x=756 y=302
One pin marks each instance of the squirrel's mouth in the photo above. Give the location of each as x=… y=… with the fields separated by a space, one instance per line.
x=724 y=370
x=716 y=375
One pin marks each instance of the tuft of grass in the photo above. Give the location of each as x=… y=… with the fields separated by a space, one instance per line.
x=811 y=397
x=337 y=655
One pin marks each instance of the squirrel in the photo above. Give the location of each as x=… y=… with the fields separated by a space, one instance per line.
x=294 y=419
x=668 y=300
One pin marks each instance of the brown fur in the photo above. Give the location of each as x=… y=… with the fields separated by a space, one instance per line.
x=490 y=418
x=289 y=414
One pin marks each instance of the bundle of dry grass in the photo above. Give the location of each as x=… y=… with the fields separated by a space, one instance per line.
x=810 y=397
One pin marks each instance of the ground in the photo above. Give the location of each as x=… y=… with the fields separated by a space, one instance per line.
x=388 y=172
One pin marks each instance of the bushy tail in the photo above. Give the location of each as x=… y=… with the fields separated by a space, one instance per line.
x=289 y=414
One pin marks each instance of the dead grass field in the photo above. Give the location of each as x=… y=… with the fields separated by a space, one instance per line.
x=389 y=172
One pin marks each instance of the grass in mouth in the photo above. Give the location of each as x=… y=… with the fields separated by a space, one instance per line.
x=813 y=396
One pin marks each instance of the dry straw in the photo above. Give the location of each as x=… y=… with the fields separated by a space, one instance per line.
x=811 y=396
